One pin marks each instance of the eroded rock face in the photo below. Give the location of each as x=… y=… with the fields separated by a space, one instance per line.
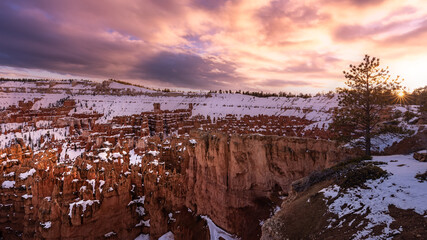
x=230 y=179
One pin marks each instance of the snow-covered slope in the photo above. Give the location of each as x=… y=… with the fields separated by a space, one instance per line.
x=401 y=189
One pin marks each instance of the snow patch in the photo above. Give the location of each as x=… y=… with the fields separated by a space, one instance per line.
x=216 y=232
x=8 y=184
x=167 y=236
x=25 y=175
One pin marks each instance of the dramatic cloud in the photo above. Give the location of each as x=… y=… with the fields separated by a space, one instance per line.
x=276 y=45
x=188 y=70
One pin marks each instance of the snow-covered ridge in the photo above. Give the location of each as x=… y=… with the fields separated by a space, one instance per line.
x=69 y=86
x=111 y=103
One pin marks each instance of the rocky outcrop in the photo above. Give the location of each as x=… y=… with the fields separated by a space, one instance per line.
x=409 y=145
x=421 y=156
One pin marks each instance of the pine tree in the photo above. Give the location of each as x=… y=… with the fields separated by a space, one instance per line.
x=369 y=90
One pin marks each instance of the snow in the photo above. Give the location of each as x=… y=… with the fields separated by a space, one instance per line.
x=10 y=161
x=143 y=237
x=381 y=142
x=10 y=126
x=193 y=141
x=216 y=232
x=11 y=174
x=140 y=211
x=400 y=189
x=140 y=200
x=154 y=153
x=92 y=183
x=167 y=236
x=110 y=234
x=103 y=156
x=46 y=225
x=101 y=184
x=8 y=184
x=216 y=105
x=43 y=124
x=73 y=154
x=134 y=159
x=82 y=203
x=143 y=223
x=30 y=133
x=25 y=175
x=26 y=196
x=117 y=85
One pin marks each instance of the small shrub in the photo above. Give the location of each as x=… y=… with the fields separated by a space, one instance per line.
x=336 y=172
x=394 y=129
x=408 y=115
x=353 y=161
x=358 y=176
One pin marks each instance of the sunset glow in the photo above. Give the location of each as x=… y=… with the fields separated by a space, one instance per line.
x=279 y=45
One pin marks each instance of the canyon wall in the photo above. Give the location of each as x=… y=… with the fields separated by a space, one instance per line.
x=234 y=179
x=237 y=180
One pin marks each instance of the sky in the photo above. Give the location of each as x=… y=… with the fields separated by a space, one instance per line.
x=255 y=45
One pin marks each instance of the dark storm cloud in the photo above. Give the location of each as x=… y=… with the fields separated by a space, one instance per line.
x=210 y=5
x=31 y=39
x=187 y=70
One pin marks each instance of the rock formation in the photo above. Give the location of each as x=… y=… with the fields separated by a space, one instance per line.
x=232 y=179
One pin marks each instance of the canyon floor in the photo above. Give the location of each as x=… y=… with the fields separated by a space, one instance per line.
x=87 y=160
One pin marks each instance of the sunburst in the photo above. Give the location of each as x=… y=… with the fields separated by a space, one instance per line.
x=401 y=97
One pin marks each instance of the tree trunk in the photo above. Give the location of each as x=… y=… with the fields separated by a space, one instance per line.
x=368 y=142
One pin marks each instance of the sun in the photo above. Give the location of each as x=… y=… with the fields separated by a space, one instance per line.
x=401 y=97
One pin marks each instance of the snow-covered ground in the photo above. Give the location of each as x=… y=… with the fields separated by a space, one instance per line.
x=216 y=232
x=400 y=189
